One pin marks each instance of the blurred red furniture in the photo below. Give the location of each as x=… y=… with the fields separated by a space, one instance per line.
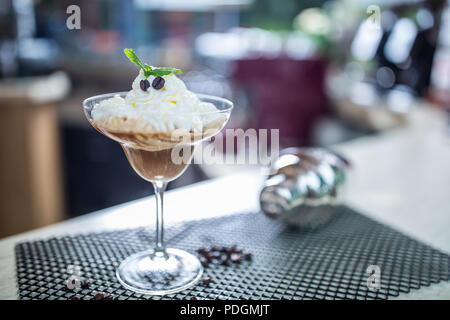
x=285 y=93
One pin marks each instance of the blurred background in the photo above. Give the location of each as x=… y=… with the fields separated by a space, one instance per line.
x=323 y=72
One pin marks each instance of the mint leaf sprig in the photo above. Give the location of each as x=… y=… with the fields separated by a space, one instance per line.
x=148 y=70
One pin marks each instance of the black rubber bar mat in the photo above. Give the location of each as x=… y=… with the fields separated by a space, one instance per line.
x=329 y=263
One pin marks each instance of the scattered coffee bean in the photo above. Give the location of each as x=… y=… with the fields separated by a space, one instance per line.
x=204 y=261
x=235 y=258
x=208 y=256
x=212 y=255
x=223 y=249
x=84 y=284
x=235 y=249
x=206 y=281
x=193 y=298
x=144 y=84
x=108 y=297
x=224 y=261
x=222 y=255
x=216 y=255
x=99 y=296
x=74 y=298
x=158 y=83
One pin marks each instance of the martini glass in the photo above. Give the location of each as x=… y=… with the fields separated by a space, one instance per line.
x=160 y=270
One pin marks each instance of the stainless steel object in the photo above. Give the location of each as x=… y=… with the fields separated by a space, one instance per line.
x=304 y=186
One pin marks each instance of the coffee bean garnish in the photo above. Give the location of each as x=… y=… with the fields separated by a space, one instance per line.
x=158 y=83
x=99 y=296
x=206 y=281
x=193 y=298
x=84 y=284
x=74 y=298
x=144 y=84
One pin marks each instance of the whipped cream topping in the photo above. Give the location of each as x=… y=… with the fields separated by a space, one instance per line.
x=164 y=110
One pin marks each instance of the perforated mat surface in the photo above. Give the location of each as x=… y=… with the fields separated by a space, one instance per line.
x=329 y=263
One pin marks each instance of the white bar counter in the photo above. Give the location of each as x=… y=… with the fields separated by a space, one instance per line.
x=401 y=178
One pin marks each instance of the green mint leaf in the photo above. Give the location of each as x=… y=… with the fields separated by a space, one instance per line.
x=159 y=72
x=170 y=70
x=134 y=58
x=148 y=70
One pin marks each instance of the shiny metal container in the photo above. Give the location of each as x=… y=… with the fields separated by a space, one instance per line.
x=304 y=186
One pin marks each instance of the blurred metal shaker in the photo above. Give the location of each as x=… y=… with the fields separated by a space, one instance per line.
x=304 y=186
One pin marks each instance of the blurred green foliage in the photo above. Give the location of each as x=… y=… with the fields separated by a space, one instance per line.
x=276 y=14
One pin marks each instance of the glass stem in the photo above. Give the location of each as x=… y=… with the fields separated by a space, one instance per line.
x=159 y=188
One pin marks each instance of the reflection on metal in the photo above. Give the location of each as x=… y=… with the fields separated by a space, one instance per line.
x=304 y=186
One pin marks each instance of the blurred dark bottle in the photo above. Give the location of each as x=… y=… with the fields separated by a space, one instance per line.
x=402 y=49
x=440 y=74
x=21 y=53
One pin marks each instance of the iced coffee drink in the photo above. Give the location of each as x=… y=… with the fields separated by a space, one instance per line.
x=158 y=123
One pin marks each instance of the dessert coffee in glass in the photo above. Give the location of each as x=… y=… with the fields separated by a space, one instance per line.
x=158 y=124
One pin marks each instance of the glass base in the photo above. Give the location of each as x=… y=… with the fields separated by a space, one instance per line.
x=157 y=273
